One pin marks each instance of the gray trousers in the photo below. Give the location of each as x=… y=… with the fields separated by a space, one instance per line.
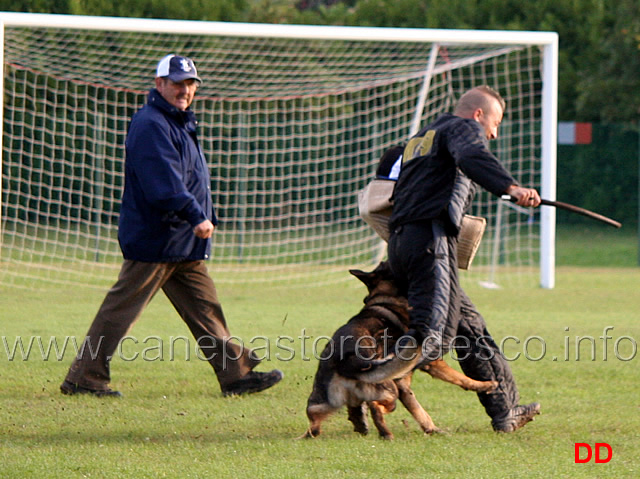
x=192 y=293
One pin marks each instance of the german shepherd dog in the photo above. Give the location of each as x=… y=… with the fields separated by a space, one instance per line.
x=356 y=369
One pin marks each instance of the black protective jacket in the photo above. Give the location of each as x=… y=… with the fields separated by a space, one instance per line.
x=440 y=166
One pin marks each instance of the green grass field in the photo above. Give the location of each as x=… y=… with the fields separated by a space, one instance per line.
x=173 y=421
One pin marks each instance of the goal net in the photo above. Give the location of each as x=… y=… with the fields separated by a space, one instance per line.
x=292 y=120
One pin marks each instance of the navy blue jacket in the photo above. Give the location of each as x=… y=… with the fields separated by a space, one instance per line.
x=167 y=188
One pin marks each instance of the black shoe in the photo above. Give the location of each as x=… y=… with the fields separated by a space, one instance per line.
x=253 y=382
x=516 y=418
x=70 y=389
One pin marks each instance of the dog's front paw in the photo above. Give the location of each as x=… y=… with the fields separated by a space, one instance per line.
x=307 y=435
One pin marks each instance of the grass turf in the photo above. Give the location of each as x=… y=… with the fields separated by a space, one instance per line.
x=173 y=421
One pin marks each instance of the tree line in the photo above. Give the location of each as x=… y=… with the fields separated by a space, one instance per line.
x=599 y=59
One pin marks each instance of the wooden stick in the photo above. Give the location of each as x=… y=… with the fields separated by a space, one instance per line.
x=573 y=209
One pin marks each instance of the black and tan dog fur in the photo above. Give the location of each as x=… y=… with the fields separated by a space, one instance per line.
x=355 y=370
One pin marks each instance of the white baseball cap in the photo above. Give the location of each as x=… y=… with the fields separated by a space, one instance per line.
x=177 y=69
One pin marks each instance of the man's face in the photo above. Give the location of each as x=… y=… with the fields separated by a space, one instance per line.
x=490 y=120
x=178 y=94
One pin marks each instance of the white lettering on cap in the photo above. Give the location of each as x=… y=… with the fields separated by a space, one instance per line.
x=186 y=67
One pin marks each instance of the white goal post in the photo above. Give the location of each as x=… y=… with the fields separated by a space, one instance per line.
x=292 y=119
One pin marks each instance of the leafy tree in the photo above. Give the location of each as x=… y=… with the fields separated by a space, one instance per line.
x=598 y=57
x=599 y=60
x=608 y=88
x=271 y=11
x=220 y=10
x=35 y=6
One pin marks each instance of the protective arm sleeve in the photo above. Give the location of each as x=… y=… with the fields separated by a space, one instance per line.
x=471 y=154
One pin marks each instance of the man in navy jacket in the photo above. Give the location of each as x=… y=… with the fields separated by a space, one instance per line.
x=166 y=222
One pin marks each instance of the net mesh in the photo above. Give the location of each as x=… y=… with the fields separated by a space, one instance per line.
x=292 y=130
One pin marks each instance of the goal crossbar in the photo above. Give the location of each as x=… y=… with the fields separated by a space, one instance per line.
x=317 y=32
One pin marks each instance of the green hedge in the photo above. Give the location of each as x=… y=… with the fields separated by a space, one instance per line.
x=601 y=176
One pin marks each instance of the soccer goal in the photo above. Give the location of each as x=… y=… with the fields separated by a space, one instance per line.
x=293 y=120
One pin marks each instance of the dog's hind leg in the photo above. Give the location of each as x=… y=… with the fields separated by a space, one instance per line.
x=439 y=369
x=316 y=414
x=409 y=400
x=358 y=417
x=378 y=410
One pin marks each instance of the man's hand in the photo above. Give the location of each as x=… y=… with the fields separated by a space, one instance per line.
x=527 y=197
x=204 y=230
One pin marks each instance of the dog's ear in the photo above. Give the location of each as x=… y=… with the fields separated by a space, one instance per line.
x=357 y=273
x=366 y=278
x=384 y=270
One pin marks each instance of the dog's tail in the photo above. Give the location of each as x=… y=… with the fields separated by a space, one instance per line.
x=393 y=366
